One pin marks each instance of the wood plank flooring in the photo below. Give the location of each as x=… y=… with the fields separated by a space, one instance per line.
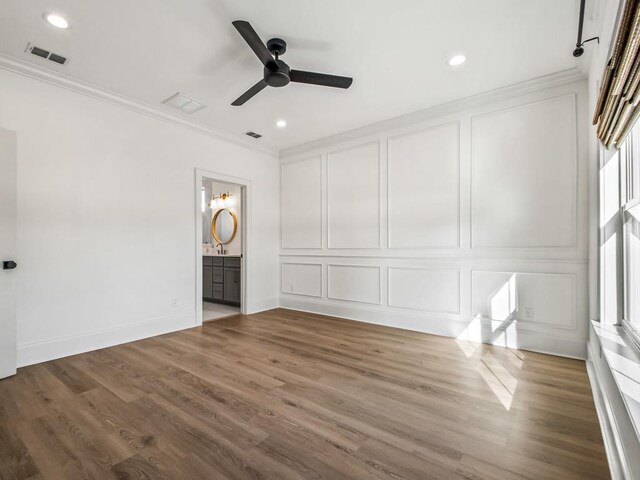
x=290 y=395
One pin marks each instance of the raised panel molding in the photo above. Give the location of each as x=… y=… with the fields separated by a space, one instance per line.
x=426 y=289
x=423 y=182
x=354 y=283
x=302 y=279
x=353 y=197
x=524 y=176
x=531 y=298
x=450 y=247
x=302 y=203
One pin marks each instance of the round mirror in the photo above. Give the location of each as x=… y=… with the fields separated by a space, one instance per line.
x=224 y=225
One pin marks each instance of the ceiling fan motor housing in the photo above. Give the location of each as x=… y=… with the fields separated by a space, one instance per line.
x=277 y=73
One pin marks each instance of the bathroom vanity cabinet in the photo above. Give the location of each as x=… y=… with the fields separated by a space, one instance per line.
x=221 y=282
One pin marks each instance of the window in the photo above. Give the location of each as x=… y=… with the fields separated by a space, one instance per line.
x=630 y=219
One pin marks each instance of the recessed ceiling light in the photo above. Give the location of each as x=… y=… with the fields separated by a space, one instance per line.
x=457 y=60
x=281 y=124
x=55 y=20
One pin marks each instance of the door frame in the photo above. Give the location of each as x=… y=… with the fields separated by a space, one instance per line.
x=8 y=251
x=245 y=214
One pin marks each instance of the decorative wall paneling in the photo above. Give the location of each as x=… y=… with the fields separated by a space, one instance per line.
x=302 y=279
x=423 y=178
x=353 y=212
x=471 y=224
x=302 y=203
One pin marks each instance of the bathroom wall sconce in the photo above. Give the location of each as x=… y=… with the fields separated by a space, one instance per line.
x=222 y=201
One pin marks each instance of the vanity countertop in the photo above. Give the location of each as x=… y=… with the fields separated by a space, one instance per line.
x=209 y=250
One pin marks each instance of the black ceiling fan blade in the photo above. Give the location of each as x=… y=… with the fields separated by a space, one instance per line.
x=257 y=88
x=253 y=40
x=320 y=79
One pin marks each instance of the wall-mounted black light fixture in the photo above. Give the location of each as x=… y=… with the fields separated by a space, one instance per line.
x=578 y=51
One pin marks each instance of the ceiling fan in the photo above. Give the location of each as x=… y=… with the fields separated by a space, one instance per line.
x=276 y=72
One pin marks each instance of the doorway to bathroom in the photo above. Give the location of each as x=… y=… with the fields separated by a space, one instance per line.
x=221 y=238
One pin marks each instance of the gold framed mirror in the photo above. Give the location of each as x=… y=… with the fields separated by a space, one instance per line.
x=224 y=226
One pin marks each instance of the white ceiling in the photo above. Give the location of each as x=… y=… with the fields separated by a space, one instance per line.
x=396 y=51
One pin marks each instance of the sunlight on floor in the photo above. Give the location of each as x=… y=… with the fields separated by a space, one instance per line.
x=509 y=381
x=502 y=393
x=499 y=330
x=467 y=347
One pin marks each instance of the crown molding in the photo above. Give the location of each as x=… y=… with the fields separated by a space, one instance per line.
x=27 y=69
x=548 y=81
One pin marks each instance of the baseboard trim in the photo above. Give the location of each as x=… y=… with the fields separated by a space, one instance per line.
x=402 y=320
x=513 y=336
x=51 y=349
x=264 y=305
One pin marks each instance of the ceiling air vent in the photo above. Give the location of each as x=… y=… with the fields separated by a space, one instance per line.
x=46 y=54
x=57 y=58
x=183 y=103
x=253 y=134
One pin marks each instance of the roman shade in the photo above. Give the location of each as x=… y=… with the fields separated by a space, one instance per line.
x=618 y=103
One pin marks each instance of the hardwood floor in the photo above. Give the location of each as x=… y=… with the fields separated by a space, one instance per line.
x=289 y=395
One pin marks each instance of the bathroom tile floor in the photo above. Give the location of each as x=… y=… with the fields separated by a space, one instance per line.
x=214 y=311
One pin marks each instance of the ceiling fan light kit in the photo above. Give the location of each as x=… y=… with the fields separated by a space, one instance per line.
x=277 y=73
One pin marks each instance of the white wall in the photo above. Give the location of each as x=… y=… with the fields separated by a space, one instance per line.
x=106 y=219
x=469 y=220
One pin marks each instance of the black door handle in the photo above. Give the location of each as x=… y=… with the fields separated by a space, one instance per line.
x=9 y=265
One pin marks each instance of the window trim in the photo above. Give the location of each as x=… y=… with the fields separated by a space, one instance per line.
x=629 y=200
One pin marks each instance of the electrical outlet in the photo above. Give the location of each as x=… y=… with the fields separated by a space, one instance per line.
x=528 y=313
x=174 y=301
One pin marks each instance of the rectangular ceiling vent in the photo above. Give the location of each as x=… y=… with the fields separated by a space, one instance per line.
x=46 y=54
x=253 y=134
x=183 y=103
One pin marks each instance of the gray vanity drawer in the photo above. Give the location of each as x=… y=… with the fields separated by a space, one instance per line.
x=207 y=261
x=232 y=262
x=218 y=275
x=218 y=291
x=218 y=261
